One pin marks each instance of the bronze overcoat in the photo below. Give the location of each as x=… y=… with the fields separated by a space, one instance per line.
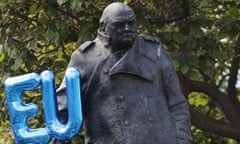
x=132 y=100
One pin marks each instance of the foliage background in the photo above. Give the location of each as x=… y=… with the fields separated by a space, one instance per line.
x=202 y=37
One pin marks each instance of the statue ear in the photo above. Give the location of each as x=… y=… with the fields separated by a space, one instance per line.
x=102 y=26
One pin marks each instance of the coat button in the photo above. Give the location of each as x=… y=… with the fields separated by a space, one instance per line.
x=126 y=123
x=99 y=53
x=151 y=119
x=106 y=71
x=121 y=97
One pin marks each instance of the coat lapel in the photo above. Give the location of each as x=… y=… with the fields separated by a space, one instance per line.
x=139 y=61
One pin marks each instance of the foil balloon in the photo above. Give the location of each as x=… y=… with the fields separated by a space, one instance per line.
x=55 y=128
x=20 y=111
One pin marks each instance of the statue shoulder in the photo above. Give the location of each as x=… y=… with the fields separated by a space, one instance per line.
x=149 y=38
x=155 y=41
x=86 y=46
x=80 y=56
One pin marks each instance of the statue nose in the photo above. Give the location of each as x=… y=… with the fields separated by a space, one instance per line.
x=126 y=27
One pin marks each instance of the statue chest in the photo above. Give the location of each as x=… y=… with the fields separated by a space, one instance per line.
x=129 y=108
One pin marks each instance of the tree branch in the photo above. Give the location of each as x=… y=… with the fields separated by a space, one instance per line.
x=168 y=21
x=212 y=91
x=214 y=126
x=232 y=92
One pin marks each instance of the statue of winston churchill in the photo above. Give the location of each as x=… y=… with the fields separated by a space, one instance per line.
x=130 y=90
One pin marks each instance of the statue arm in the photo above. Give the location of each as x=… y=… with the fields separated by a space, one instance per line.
x=79 y=59
x=177 y=103
x=78 y=62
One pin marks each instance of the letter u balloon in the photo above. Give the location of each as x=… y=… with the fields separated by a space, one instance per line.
x=20 y=111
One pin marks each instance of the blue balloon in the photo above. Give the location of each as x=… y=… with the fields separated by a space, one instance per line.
x=20 y=111
x=74 y=123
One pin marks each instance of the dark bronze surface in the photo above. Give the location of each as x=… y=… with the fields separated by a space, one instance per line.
x=130 y=89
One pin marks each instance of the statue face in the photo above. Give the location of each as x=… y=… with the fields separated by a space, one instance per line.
x=121 y=28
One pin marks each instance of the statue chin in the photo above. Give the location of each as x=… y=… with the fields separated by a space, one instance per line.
x=123 y=43
x=127 y=41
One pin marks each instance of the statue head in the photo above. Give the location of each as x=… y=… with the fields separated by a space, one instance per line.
x=118 y=21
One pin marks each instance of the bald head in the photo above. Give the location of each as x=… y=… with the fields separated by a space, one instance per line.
x=116 y=10
x=118 y=21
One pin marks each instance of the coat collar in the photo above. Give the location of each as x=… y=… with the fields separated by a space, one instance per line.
x=138 y=60
x=105 y=39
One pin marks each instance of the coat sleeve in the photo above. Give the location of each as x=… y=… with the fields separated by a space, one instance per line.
x=79 y=61
x=177 y=103
x=61 y=91
x=62 y=98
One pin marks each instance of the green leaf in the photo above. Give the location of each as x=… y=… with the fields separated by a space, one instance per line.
x=209 y=62
x=179 y=38
x=1 y=49
x=32 y=44
x=185 y=68
x=202 y=102
x=198 y=99
x=39 y=32
x=50 y=34
x=60 y=62
x=227 y=27
x=17 y=64
x=233 y=12
x=145 y=23
x=51 y=11
x=194 y=75
x=13 y=53
x=2 y=57
x=214 y=52
x=203 y=3
x=76 y=4
x=176 y=64
x=201 y=52
x=191 y=42
x=33 y=8
x=61 y=2
x=61 y=25
x=168 y=36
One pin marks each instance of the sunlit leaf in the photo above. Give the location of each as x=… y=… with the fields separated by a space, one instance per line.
x=61 y=2
x=2 y=56
x=60 y=62
x=33 y=8
x=76 y=4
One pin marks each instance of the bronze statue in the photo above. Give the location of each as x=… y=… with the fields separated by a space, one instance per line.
x=130 y=90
